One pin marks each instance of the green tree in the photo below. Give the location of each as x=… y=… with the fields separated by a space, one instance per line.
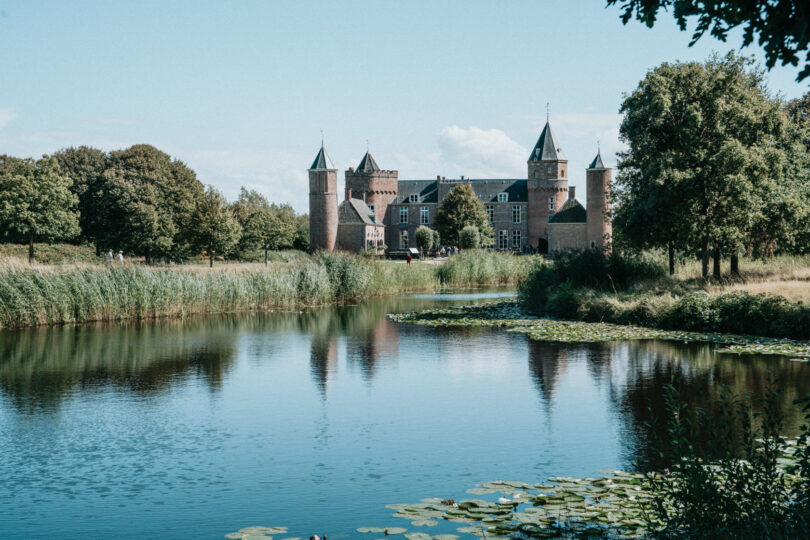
x=460 y=208
x=216 y=230
x=707 y=155
x=469 y=238
x=781 y=26
x=36 y=204
x=436 y=240
x=146 y=203
x=265 y=226
x=301 y=240
x=424 y=238
x=85 y=167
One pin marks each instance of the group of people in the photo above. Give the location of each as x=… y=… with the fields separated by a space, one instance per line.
x=119 y=257
x=451 y=250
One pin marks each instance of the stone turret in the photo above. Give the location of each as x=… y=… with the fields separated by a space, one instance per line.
x=547 y=185
x=323 y=208
x=598 y=178
x=376 y=187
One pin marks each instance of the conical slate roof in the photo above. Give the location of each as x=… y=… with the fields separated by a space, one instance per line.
x=322 y=161
x=367 y=164
x=547 y=147
x=597 y=162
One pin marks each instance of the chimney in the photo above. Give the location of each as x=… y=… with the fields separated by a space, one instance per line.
x=572 y=192
x=348 y=193
x=438 y=178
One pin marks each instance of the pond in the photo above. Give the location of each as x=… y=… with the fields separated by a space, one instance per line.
x=316 y=420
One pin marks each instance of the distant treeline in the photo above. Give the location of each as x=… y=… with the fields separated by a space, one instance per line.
x=138 y=200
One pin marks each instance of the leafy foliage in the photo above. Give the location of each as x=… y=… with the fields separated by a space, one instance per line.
x=781 y=26
x=460 y=208
x=705 y=140
x=265 y=226
x=216 y=230
x=424 y=238
x=725 y=476
x=36 y=203
x=469 y=238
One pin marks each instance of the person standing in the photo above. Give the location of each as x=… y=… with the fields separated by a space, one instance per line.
x=121 y=257
x=110 y=257
x=409 y=259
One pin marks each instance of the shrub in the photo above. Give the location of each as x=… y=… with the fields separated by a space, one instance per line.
x=469 y=237
x=724 y=478
x=424 y=238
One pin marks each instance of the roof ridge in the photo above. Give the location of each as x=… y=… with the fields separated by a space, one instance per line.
x=547 y=148
x=322 y=161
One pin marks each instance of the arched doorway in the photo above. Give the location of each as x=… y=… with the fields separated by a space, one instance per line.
x=542 y=246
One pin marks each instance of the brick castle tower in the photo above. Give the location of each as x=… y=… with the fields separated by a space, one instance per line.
x=323 y=208
x=378 y=188
x=597 y=178
x=547 y=186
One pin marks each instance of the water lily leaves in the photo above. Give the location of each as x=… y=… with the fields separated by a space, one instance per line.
x=396 y=530
x=370 y=530
x=424 y=523
x=418 y=536
x=510 y=316
x=445 y=537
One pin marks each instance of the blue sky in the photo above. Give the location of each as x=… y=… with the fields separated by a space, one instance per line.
x=241 y=90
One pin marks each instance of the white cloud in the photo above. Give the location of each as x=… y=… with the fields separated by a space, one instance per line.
x=277 y=175
x=6 y=115
x=483 y=153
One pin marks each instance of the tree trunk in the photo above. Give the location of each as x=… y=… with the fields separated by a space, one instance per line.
x=210 y=259
x=716 y=265
x=98 y=249
x=265 y=256
x=671 y=250
x=705 y=258
x=30 y=249
x=735 y=265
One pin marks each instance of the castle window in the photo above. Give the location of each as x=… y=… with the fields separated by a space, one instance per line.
x=516 y=239
x=403 y=239
x=503 y=197
x=491 y=212
x=503 y=240
x=403 y=214
x=563 y=173
x=550 y=169
x=551 y=204
x=593 y=244
x=515 y=214
x=371 y=207
x=424 y=215
x=413 y=198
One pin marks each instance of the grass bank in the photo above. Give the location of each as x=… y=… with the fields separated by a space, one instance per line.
x=636 y=290
x=41 y=294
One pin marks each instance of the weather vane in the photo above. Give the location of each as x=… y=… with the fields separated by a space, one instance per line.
x=547 y=108
x=321 y=137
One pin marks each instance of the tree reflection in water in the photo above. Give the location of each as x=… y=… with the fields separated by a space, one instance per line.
x=635 y=374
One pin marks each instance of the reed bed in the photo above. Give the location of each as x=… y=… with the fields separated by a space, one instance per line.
x=38 y=295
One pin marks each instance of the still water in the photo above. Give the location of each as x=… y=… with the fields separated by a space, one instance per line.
x=315 y=420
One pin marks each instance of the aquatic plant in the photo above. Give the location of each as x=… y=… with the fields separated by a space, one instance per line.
x=510 y=315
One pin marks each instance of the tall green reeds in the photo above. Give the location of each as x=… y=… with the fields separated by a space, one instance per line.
x=32 y=296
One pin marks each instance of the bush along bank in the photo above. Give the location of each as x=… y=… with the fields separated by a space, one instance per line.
x=594 y=287
x=72 y=294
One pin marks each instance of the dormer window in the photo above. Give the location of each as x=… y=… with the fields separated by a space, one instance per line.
x=413 y=198
x=503 y=197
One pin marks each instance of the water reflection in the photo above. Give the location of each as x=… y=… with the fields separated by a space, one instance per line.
x=213 y=424
x=40 y=367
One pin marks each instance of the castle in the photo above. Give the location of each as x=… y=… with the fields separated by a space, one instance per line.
x=540 y=212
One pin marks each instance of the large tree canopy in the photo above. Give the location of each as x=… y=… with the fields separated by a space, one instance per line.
x=782 y=27
x=36 y=204
x=85 y=167
x=146 y=202
x=460 y=208
x=712 y=162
